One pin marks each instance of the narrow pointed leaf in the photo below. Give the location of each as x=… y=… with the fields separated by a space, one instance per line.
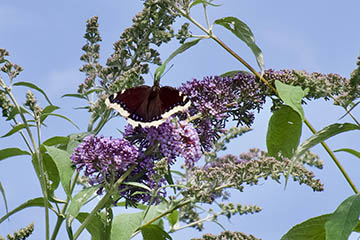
x=60 y=116
x=348 y=150
x=311 y=229
x=244 y=33
x=64 y=166
x=36 y=202
x=154 y=232
x=46 y=110
x=124 y=225
x=344 y=219
x=196 y=2
x=12 y=152
x=292 y=96
x=56 y=140
x=322 y=135
x=348 y=111
x=33 y=86
x=76 y=95
x=233 y=73
x=284 y=131
x=159 y=71
x=14 y=112
x=96 y=226
x=2 y=190
x=77 y=202
x=16 y=128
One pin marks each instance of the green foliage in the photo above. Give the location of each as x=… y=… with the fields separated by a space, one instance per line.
x=243 y=32
x=77 y=202
x=196 y=2
x=284 y=131
x=345 y=218
x=35 y=202
x=17 y=128
x=160 y=70
x=33 y=86
x=154 y=232
x=12 y=152
x=124 y=225
x=64 y=166
x=96 y=226
x=311 y=229
x=322 y=135
x=292 y=96
x=348 y=150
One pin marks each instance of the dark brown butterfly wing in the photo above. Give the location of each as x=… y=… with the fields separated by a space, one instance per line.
x=146 y=106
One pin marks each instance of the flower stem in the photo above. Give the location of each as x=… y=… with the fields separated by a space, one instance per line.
x=102 y=202
x=39 y=158
x=331 y=154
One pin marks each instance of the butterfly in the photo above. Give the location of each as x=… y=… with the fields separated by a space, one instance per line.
x=147 y=106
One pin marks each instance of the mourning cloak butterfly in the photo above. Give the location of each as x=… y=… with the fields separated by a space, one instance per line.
x=148 y=106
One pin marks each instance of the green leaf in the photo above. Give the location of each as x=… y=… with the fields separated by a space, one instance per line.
x=96 y=226
x=155 y=211
x=173 y=218
x=77 y=202
x=344 y=219
x=311 y=229
x=46 y=110
x=56 y=140
x=124 y=225
x=36 y=202
x=233 y=73
x=322 y=135
x=348 y=111
x=244 y=33
x=292 y=96
x=11 y=152
x=284 y=131
x=16 y=128
x=154 y=232
x=33 y=86
x=51 y=172
x=14 y=112
x=76 y=95
x=357 y=227
x=64 y=166
x=44 y=115
x=348 y=150
x=159 y=71
x=2 y=190
x=196 y=2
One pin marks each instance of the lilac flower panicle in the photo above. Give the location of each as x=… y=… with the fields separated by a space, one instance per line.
x=174 y=139
x=106 y=158
x=218 y=99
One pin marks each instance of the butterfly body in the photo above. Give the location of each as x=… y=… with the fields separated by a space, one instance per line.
x=148 y=106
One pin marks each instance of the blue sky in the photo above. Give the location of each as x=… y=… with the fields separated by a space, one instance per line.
x=45 y=38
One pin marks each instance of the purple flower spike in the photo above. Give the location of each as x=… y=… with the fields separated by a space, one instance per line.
x=217 y=99
x=104 y=159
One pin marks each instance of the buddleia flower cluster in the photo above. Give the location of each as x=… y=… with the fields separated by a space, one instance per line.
x=327 y=86
x=218 y=99
x=172 y=139
x=227 y=235
x=209 y=183
x=105 y=160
